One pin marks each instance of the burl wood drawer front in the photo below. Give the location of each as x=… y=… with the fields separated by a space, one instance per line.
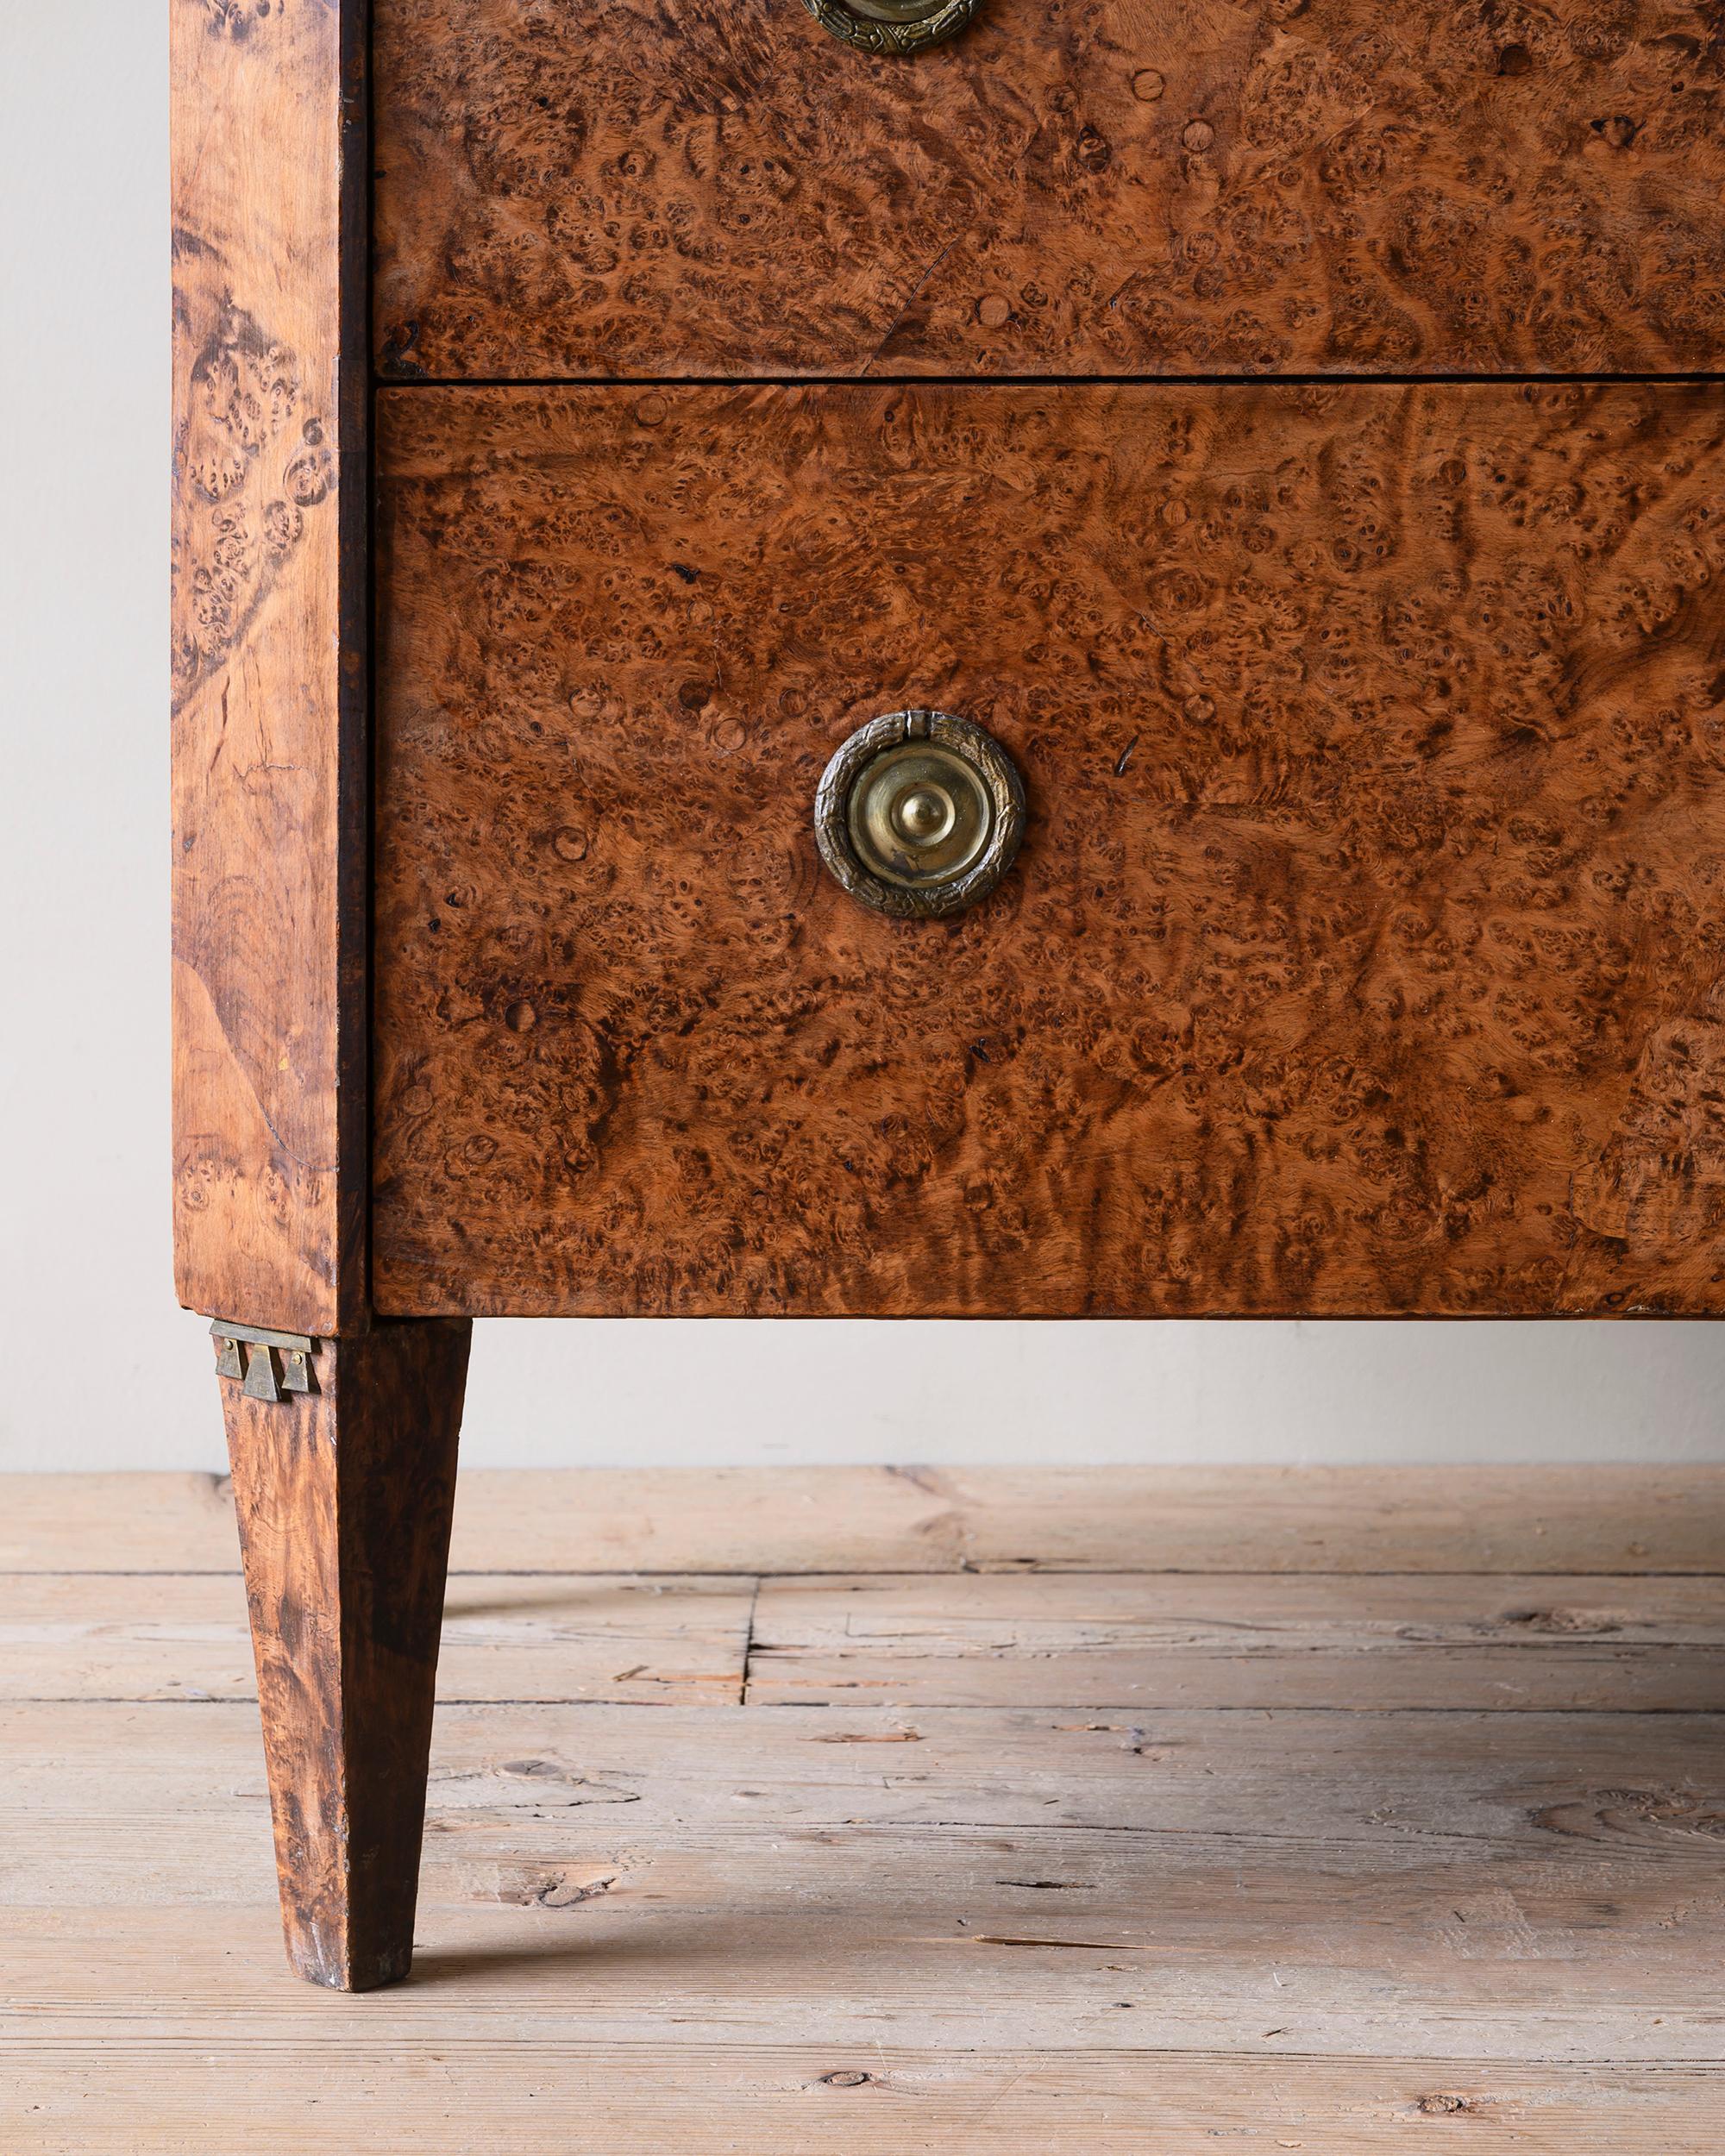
x=664 y=187
x=1366 y=951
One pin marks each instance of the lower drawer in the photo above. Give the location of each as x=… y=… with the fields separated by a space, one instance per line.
x=1365 y=952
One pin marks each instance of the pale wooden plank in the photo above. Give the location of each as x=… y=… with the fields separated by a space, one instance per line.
x=1376 y=1778
x=133 y=2098
x=68 y=1636
x=154 y=1522
x=1113 y=1520
x=1517 y=1887
x=1574 y=1519
x=1148 y=1641
x=1128 y=1926
x=890 y=1935
x=954 y=1639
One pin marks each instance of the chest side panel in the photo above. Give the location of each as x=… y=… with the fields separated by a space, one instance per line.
x=1365 y=950
x=271 y=807
x=1072 y=186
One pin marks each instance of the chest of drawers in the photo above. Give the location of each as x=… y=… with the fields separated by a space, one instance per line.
x=901 y=657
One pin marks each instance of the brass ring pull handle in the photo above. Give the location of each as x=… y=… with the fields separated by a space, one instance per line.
x=893 y=26
x=919 y=814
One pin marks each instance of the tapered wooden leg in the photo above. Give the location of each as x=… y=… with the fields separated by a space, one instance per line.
x=345 y=1495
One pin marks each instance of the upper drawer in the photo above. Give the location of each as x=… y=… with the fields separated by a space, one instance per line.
x=666 y=187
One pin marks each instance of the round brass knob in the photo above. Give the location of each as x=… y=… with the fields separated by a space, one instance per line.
x=919 y=814
x=893 y=26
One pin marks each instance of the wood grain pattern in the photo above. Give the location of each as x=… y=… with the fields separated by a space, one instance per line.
x=1029 y=1640
x=131 y=2100
x=1337 y=1521
x=1122 y=186
x=1367 y=948
x=270 y=404
x=344 y=1499
x=1510 y=1887
x=505 y=1635
x=855 y=1929
x=553 y=1981
x=1531 y=1645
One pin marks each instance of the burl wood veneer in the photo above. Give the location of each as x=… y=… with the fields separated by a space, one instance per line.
x=271 y=406
x=1365 y=950
x=1121 y=186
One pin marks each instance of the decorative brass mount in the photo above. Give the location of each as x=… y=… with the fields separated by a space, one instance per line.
x=273 y=1364
x=919 y=814
x=893 y=26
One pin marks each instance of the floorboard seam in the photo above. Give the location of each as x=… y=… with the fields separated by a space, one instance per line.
x=770 y=1573
x=748 y=1645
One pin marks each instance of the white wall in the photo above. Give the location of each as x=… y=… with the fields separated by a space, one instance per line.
x=99 y=1370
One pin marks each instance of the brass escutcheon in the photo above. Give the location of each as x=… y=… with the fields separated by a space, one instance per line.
x=893 y=26
x=919 y=814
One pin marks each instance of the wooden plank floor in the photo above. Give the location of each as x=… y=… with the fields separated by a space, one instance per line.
x=863 y=1812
